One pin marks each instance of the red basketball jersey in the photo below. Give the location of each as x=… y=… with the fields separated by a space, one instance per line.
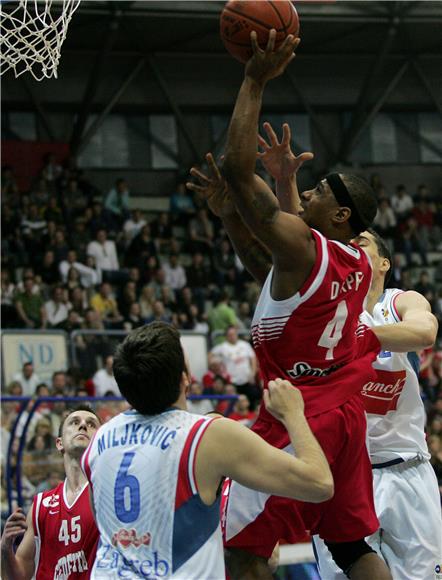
x=66 y=536
x=310 y=338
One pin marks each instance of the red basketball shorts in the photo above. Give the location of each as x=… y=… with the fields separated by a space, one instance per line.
x=256 y=521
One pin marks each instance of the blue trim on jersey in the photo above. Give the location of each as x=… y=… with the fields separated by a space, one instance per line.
x=413 y=359
x=194 y=523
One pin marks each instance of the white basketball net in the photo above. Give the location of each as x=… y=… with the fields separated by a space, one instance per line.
x=31 y=37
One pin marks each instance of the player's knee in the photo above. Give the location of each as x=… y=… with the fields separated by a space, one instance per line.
x=346 y=554
x=243 y=565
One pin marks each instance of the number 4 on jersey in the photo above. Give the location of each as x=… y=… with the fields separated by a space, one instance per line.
x=333 y=331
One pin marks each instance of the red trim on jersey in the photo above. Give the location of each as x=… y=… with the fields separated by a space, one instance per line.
x=85 y=462
x=184 y=490
x=203 y=428
x=393 y=304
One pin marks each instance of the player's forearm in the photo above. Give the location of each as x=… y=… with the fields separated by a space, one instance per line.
x=11 y=567
x=254 y=256
x=288 y=195
x=408 y=335
x=256 y=207
x=311 y=458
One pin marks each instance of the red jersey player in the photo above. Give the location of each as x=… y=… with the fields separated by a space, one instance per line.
x=304 y=330
x=60 y=536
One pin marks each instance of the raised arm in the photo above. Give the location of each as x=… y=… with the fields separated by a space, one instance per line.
x=417 y=329
x=255 y=257
x=19 y=565
x=230 y=449
x=287 y=237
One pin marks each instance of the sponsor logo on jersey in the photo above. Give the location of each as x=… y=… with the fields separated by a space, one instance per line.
x=53 y=512
x=127 y=538
x=303 y=369
x=438 y=572
x=381 y=396
x=51 y=501
x=69 y=564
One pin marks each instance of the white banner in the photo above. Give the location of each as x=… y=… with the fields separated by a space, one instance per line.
x=46 y=350
x=195 y=348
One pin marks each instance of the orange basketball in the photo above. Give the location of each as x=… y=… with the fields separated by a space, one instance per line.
x=240 y=17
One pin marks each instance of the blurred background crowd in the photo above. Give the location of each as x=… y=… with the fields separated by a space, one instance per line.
x=75 y=258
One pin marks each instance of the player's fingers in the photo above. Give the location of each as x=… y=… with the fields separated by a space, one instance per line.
x=271 y=41
x=194 y=172
x=195 y=187
x=254 y=42
x=286 y=134
x=271 y=134
x=266 y=397
x=262 y=142
x=213 y=166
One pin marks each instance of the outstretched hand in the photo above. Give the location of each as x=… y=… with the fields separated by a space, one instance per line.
x=270 y=63
x=277 y=157
x=15 y=526
x=213 y=188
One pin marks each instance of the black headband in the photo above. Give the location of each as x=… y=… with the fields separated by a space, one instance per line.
x=344 y=200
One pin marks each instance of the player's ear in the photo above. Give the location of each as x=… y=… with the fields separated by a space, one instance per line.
x=342 y=215
x=385 y=265
x=59 y=444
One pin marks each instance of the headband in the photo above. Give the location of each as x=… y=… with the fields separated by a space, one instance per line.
x=344 y=199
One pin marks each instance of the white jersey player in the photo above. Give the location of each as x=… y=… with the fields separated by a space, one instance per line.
x=155 y=470
x=405 y=486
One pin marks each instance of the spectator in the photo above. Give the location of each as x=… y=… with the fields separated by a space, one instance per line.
x=200 y=406
x=182 y=208
x=28 y=379
x=240 y=362
x=222 y=316
x=104 y=253
x=242 y=413
x=216 y=369
x=104 y=303
x=52 y=211
x=132 y=226
x=48 y=270
x=57 y=309
x=96 y=219
x=224 y=264
x=133 y=318
x=51 y=169
x=201 y=233
x=104 y=380
x=402 y=203
x=141 y=247
x=158 y=313
x=385 y=220
x=88 y=276
x=161 y=229
x=59 y=384
x=168 y=299
x=428 y=232
x=117 y=203
x=8 y=311
x=424 y=285
x=244 y=317
x=78 y=300
x=30 y=307
x=175 y=275
x=147 y=299
x=80 y=238
x=199 y=279
x=127 y=297
x=59 y=246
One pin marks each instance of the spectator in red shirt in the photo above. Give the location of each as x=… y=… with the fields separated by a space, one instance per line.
x=242 y=412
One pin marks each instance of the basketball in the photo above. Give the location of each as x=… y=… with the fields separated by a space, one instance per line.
x=240 y=17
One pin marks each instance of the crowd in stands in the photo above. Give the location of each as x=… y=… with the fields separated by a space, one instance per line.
x=74 y=258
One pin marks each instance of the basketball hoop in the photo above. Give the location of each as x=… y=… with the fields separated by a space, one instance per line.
x=31 y=35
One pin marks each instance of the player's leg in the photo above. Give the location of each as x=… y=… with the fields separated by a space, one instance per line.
x=243 y=565
x=328 y=569
x=408 y=506
x=350 y=515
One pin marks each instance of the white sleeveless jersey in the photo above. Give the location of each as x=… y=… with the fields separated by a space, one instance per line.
x=395 y=412
x=152 y=521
